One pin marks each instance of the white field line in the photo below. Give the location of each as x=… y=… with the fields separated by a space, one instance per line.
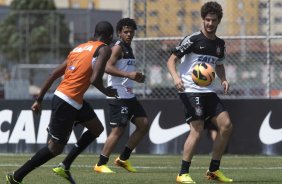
x=155 y=156
x=157 y=167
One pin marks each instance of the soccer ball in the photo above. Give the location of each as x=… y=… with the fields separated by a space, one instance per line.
x=203 y=74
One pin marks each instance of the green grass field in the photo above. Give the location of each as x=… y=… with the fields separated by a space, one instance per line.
x=155 y=169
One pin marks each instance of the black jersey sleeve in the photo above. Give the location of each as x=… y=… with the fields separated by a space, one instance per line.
x=183 y=48
x=222 y=52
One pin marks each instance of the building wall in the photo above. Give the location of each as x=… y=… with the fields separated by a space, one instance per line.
x=243 y=17
x=182 y=17
x=178 y=18
x=167 y=17
x=62 y=4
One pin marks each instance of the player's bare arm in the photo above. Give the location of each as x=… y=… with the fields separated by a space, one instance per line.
x=112 y=70
x=58 y=72
x=220 y=71
x=171 y=65
x=98 y=72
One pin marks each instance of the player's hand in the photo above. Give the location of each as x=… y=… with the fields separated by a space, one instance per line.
x=179 y=85
x=137 y=76
x=111 y=92
x=225 y=85
x=140 y=77
x=36 y=107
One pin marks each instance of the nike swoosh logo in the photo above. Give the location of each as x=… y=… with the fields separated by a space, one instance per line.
x=267 y=134
x=159 y=135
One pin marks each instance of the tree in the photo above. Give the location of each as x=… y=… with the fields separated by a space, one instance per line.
x=33 y=30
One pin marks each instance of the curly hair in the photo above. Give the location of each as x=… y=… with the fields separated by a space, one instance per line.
x=212 y=7
x=125 y=22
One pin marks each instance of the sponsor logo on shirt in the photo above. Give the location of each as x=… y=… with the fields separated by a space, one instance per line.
x=207 y=59
x=131 y=62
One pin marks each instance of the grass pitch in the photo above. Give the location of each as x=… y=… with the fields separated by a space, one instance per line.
x=152 y=169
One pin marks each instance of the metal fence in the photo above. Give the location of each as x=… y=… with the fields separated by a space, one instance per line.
x=251 y=29
x=40 y=37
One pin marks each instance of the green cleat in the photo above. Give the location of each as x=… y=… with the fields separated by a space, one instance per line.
x=10 y=179
x=218 y=176
x=102 y=169
x=60 y=171
x=125 y=164
x=184 y=178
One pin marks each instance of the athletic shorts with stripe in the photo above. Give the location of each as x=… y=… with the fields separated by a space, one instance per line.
x=64 y=116
x=124 y=110
x=201 y=106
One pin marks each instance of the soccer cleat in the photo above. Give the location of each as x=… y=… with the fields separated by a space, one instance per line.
x=125 y=164
x=184 y=178
x=60 y=171
x=102 y=169
x=10 y=179
x=218 y=176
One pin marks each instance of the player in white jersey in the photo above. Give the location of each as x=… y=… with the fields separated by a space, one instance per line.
x=202 y=103
x=126 y=108
x=124 y=85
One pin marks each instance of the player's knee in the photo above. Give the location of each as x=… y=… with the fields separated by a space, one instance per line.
x=100 y=129
x=196 y=133
x=55 y=148
x=94 y=126
x=118 y=131
x=144 y=125
x=197 y=127
x=227 y=127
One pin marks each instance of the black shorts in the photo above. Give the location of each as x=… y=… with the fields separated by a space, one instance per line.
x=201 y=106
x=124 y=110
x=63 y=117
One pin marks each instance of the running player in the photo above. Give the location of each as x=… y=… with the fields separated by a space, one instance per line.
x=84 y=65
x=125 y=109
x=202 y=103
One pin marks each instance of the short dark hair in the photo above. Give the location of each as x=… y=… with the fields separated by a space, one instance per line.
x=125 y=22
x=103 y=29
x=212 y=7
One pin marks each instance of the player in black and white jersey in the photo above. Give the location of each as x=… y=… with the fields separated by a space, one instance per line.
x=125 y=108
x=202 y=103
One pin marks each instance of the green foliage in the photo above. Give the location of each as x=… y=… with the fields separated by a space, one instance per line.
x=32 y=30
x=33 y=5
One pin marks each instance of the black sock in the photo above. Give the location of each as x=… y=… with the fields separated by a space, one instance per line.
x=184 y=167
x=41 y=157
x=214 y=165
x=85 y=139
x=103 y=160
x=125 y=154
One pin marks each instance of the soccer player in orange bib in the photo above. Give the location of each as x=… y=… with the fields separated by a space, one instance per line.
x=85 y=65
